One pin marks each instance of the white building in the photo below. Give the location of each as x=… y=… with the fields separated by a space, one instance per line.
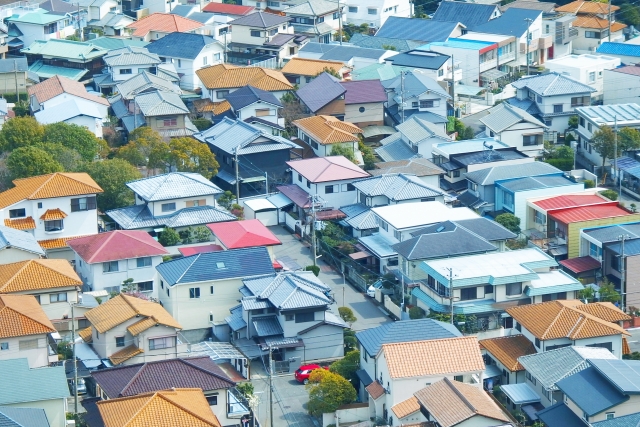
x=58 y=90
x=41 y=25
x=375 y=14
x=622 y=85
x=86 y=114
x=587 y=69
x=16 y=245
x=516 y=128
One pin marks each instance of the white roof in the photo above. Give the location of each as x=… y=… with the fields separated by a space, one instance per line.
x=411 y=215
x=467 y=146
x=552 y=278
x=495 y=38
x=579 y=61
x=259 y=204
x=67 y=110
x=85 y=353
x=279 y=200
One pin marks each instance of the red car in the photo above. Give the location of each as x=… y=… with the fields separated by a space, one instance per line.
x=303 y=372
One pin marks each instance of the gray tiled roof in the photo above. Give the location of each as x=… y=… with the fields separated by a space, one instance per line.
x=342 y=53
x=419 y=59
x=469 y=14
x=488 y=176
x=532 y=183
x=31 y=385
x=235 y=321
x=320 y=91
x=290 y=290
x=611 y=233
x=260 y=20
x=139 y=216
x=397 y=149
x=428 y=30
x=363 y=221
x=267 y=326
x=417 y=166
x=158 y=103
x=505 y=115
x=10 y=65
x=130 y=55
x=253 y=303
x=513 y=22
x=415 y=84
x=181 y=45
x=12 y=238
x=248 y=95
x=22 y=417
x=396 y=187
x=417 y=130
x=632 y=420
x=404 y=331
x=525 y=104
x=487 y=229
x=312 y=8
x=118 y=106
x=550 y=84
x=173 y=185
x=355 y=209
x=236 y=263
x=143 y=81
x=184 y=10
x=401 y=45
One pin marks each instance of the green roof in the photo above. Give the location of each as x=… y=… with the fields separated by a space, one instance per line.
x=379 y=72
x=47 y=71
x=31 y=385
x=116 y=43
x=39 y=16
x=67 y=49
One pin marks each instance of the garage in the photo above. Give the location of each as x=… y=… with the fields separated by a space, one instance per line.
x=261 y=209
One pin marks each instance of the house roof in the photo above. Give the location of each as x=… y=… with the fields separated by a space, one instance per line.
x=248 y=95
x=260 y=20
x=512 y=22
x=436 y=357
x=23 y=417
x=396 y=187
x=21 y=315
x=58 y=7
x=288 y=290
x=377 y=71
x=611 y=233
x=141 y=82
x=159 y=103
x=587 y=7
x=37 y=274
x=173 y=185
x=311 y=8
x=504 y=115
x=631 y=420
x=417 y=130
x=469 y=14
x=57 y=85
x=570 y=201
x=342 y=53
x=508 y=349
x=328 y=129
x=320 y=91
x=401 y=216
x=225 y=76
x=378 y=42
x=69 y=109
x=580 y=264
x=27 y=384
x=406 y=407
x=419 y=59
x=626 y=114
x=37 y=17
x=595 y=22
x=553 y=83
x=559 y=415
x=326 y=169
x=53 y=185
x=228 y=9
x=404 y=331
x=178 y=407
x=613 y=48
x=163 y=23
x=624 y=375
x=310 y=67
x=116 y=245
x=546 y=7
x=131 y=55
x=64 y=49
x=416 y=29
x=452 y=402
x=415 y=84
x=483 y=227
x=13 y=64
x=12 y=238
x=418 y=166
x=394 y=149
x=235 y=263
x=139 y=216
x=591 y=392
x=244 y=234
x=375 y=389
x=197 y=372
x=123 y=307
x=364 y=91
x=588 y=213
x=181 y=45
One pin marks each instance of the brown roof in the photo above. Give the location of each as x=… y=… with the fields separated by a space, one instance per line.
x=595 y=22
x=204 y=105
x=565 y=319
x=406 y=407
x=587 y=7
x=60 y=242
x=452 y=402
x=163 y=23
x=225 y=76
x=86 y=334
x=179 y=407
x=27 y=223
x=310 y=67
x=37 y=274
x=58 y=85
x=123 y=307
x=53 y=214
x=433 y=357
x=21 y=315
x=508 y=349
x=125 y=354
x=375 y=389
x=328 y=129
x=59 y=184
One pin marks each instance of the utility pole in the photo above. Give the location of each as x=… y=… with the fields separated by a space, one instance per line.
x=75 y=363
x=615 y=148
x=340 y=22
x=609 y=18
x=313 y=227
x=402 y=93
x=529 y=20
x=453 y=85
x=266 y=184
x=15 y=70
x=237 y=176
x=450 y=291
x=270 y=386
x=623 y=291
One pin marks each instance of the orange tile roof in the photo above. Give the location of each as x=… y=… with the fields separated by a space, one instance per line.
x=125 y=354
x=225 y=76
x=163 y=23
x=452 y=402
x=53 y=214
x=36 y=274
x=375 y=389
x=86 y=334
x=60 y=242
x=433 y=357
x=59 y=184
x=595 y=22
x=178 y=407
x=604 y=310
x=328 y=129
x=508 y=349
x=123 y=307
x=58 y=85
x=21 y=315
x=27 y=223
x=205 y=105
x=141 y=326
x=587 y=7
x=563 y=319
x=625 y=346
x=406 y=407
x=310 y=67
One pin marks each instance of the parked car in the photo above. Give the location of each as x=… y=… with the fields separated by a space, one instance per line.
x=82 y=387
x=303 y=372
x=371 y=291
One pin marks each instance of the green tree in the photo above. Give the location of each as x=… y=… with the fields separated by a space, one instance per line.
x=468 y=133
x=350 y=342
x=246 y=389
x=145 y=148
x=563 y=152
x=347 y=315
x=186 y=235
x=25 y=162
x=509 y=221
x=169 y=237
x=226 y=199
x=389 y=47
x=630 y=14
x=610 y=194
x=314 y=268
x=327 y=392
x=347 y=366
x=69 y=158
x=112 y=175
x=588 y=293
x=21 y=108
x=604 y=141
x=201 y=234
x=368 y=156
x=190 y=155
x=416 y=312
x=74 y=137
x=201 y=123
x=608 y=293
x=343 y=150
x=331 y=72
x=573 y=122
x=237 y=210
x=20 y=132
x=588 y=183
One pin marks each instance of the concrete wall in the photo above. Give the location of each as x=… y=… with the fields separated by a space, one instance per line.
x=55 y=409
x=513 y=137
x=383 y=8
x=37 y=357
x=11 y=254
x=324 y=342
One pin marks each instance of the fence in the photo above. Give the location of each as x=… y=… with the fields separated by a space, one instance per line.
x=391 y=307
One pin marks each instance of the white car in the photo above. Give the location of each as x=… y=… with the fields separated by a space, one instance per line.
x=371 y=292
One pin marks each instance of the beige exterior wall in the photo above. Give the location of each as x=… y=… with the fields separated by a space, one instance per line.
x=55 y=310
x=55 y=409
x=8 y=82
x=373 y=114
x=157 y=123
x=38 y=357
x=11 y=255
x=573 y=235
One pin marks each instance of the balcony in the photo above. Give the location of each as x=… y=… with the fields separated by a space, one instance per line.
x=545 y=42
x=237 y=404
x=507 y=57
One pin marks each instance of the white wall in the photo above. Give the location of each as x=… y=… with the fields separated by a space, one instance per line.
x=37 y=357
x=620 y=88
x=211 y=54
x=11 y=254
x=92 y=124
x=513 y=137
x=118 y=76
x=337 y=199
x=587 y=69
x=250 y=111
x=383 y=9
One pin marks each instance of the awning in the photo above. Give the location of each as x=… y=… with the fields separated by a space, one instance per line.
x=491 y=371
x=258 y=205
x=371 y=131
x=364 y=378
x=492 y=74
x=360 y=255
x=253 y=179
x=279 y=200
x=581 y=264
x=559 y=250
x=330 y=214
x=531 y=410
x=520 y=393
x=296 y=194
x=467 y=90
x=226 y=176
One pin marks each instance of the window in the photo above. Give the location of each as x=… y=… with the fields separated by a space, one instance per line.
x=168 y=121
x=255 y=33
x=610 y=415
x=168 y=291
x=221 y=94
x=615 y=263
x=17 y=213
x=514 y=289
x=589 y=127
x=537 y=342
x=168 y=207
x=265 y=112
x=592 y=34
x=595 y=251
x=83 y=204
x=194 y=293
x=4 y=346
x=440 y=72
x=211 y=318
x=216 y=57
x=428 y=199
x=415 y=104
x=428 y=103
x=606 y=345
x=353 y=9
x=488 y=289
x=320 y=19
x=59 y=297
x=328 y=189
x=581 y=119
x=351 y=187
x=518 y=327
x=211 y=289
x=458 y=378
x=304 y=317
x=213 y=399
x=292 y=51
x=397 y=234
x=557 y=108
x=161 y=284
x=456 y=173
x=145 y=286
x=289 y=317
x=361 y=109
x=535 y=139
x=27 y=344
x=383 y=225
x=273 y=3
x=468 y=293
x=55 y=225
x=109 y=267
x=160 y=343
x=507 y=199
x=143 y=262
x=308 y=184
x=119 y=341
x=372 y=11
x=192 y=203
x=39 y=205
x=336 y=15
x=126 y=71
x=581 y=101
x=531 y=378
x=539 y=218
x=299 y=178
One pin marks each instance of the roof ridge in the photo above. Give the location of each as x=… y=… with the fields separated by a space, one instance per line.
x=13 y=277
x=188 y=267
x=461 y=396
x=24 y=315
x=107 y=240
x=185 y=408
x=224 y=378
x=133 y=378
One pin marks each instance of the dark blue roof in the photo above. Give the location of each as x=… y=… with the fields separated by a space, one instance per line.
x=217 y=266
x=631 y=247
x=419 y=59
x=619 y=49
x=180 y=45
x=405 y=331
x=591 y=391
x=559 y=415
x=632 y=420
x=426 y=30
x=247 y=95
x=320 y=91
x=468 y=14
x=511 y=23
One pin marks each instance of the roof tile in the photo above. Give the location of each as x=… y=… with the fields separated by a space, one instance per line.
x=224 y=76
x=324 y=169
x=328 y=129
x=58 y=85
x=164 y=23
x=310 y=67
x=125 y=354
x=228 y=9
x=375 y=389
x=406 y=407
x=53 y=214
x=37 y=274
x=243 y=234
x=21 y=315
x=48 y=186
x=116 y=245
x=508 y=349
x=27 y=223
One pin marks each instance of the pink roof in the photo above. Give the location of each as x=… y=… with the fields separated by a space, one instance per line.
x=230 y=9
x=192 y=250
x=243 y=234
x=581 y=264
x=325 y=169
x=163 y=23
x=116 y=245
x=363 y=91
x=629 y=69
x=588 y=213
x=570 y=201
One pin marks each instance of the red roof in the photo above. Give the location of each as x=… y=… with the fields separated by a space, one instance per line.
x=163 y=23
x=330 y=215
x=116 y=245
x=588 y=213
x=243 y=234
x=570 y=201
x=325 y=169
x=580 y=265
x=192 y=250
x=228 y=9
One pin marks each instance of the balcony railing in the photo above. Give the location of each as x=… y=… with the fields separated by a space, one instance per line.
x=237 y=404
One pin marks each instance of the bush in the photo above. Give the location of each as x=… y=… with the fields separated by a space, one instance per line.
x=226 y=199
x=510 y=222
x=416 y=313
x=562 y=164
x=169 y=237
x=201 y=234
x=314 y=268
x=237 y=210
x=347 y=315
x=328 y=391
x=588 y=183
x=202 y=123
x=610 y=194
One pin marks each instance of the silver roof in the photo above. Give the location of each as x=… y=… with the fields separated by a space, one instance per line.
x=130 y=55
x=625 y=114
x=417 y=130
x=235 y=321
x=267 y=326
x=143 y=81
x=159 y=103
x=139 y=216
x=253 y=303
x=613 y=232
x=553 y=83
x=395 y=149
x=173 y=185
x=505 y=115
x=290 y=290
x=312 y=8
x=363 y=221
x=12 y=238
x=396 y=187
x=489 y=175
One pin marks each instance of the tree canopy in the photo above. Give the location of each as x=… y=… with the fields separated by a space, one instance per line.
x=20 y=132
x=74 y=137
x=327 y=392
x=112 y=175
x=604 y=141
x=24 y=162
x=509 y=221
x=343 y=150
x=347 y=366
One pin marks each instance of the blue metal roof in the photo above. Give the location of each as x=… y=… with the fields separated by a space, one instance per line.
x=180 y=45
x=619 y=49
x=429 y=30
x=591 y=391
x=31 y=385
x=23 y=417
x=632 y=420
x=420 y=59
x=623 y=374
x=320 y=91
x=513 y=22
x=559 y=415
x=520 y=394
x=469 y=14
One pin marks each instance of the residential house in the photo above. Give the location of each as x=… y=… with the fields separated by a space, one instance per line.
x=175 y=199
x=79 y=112
x=184 y=406
x=113 y=23
x=372 y=42
x=23 y=417
x=364 y=102
x=316 y=19
x=188 y=52
x=218 y=81
x=244 y=234
x=192 y=372
x=516 y=128
x=391 y=189
x=128 y=330
x=164 y=112
x=359 y=221
x=17 y=245
x=375 y=15
x=231 y=10
x=323 y=133
x=469 y=14
x=107 y=260
x=503 y=353
x=415 y=139
x=200 y=289
x=560 y=25
x=613 y=258
x=354 y=57
x=620 y=85
x=14 y=73
x=592 y=22
x=588 y=69
x=301 y=71
x=324 y=95
x=60 y=92
x=40 y=24
x=126 y=62
x=214 y=25
x=260 y=155
x=552 y=97
x=399 y=27
x=253 y=105
x=97 y=9
x=65 y=58
x=627 y=52
x=29 y=390
x=24 y=332
x=157 y=25
x=505 y=50
x=424 y=169
x=431 y=64
x=53 y=208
